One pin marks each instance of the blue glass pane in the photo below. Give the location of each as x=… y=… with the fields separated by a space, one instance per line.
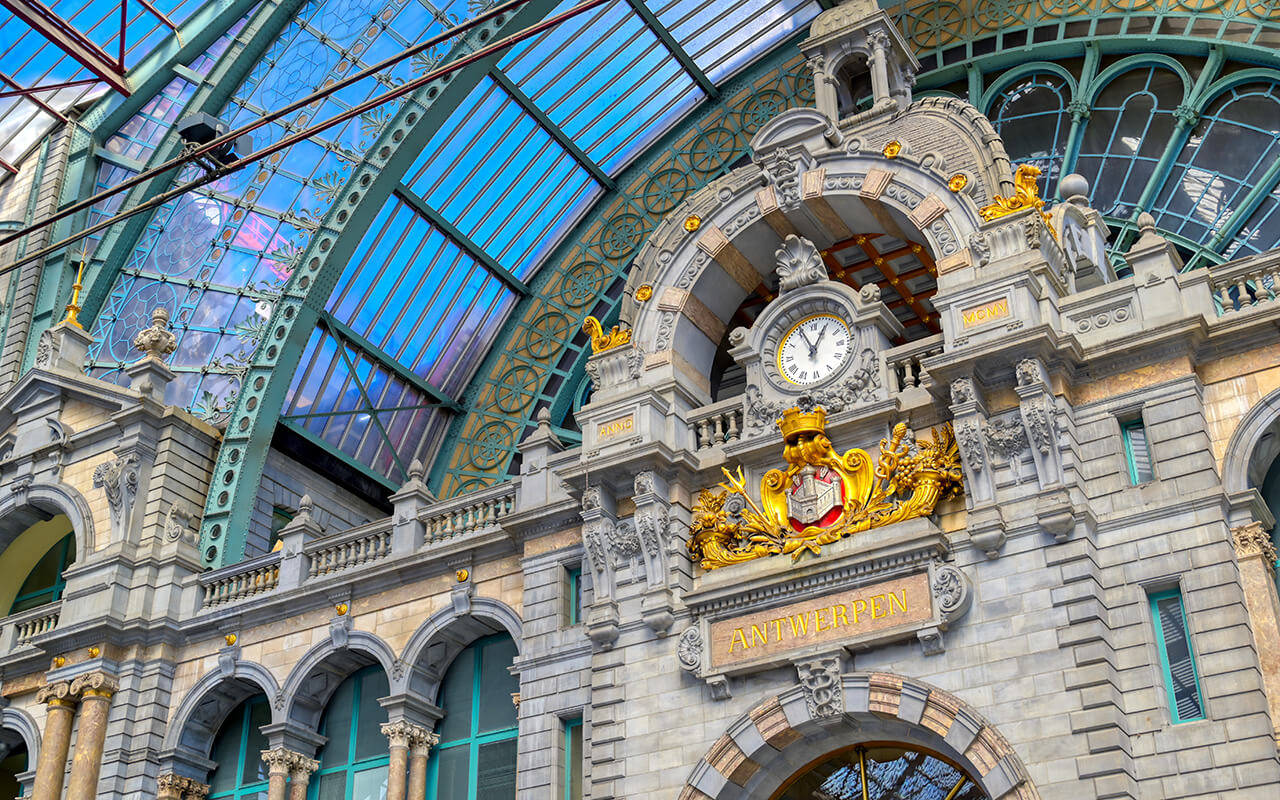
x=495 y=173
x=723 y=38
x=1030 y=117
x=637 y=92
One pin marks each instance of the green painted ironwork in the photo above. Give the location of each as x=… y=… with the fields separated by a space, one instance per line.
x=1177 y=657
x=354 y=760
x=240 y=773
x=45 y=582
x=1137 y=452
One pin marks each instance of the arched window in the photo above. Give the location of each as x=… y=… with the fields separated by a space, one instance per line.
x=883 y=772
x=353 y=761
x=476 y=756
x=1230 y=149
x=13 y=762
x=241 y=773
x=1031 y=118
x=44 y=584
x=1129 y=127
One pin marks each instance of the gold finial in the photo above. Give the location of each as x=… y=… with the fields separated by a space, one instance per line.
x=692 y=223
x=95 y=651
x=73 y=308
x=958 y=182
x=230 y=639
x=644 y=293
x=342 y=609
x=1026 y=194
x=893 y=149
x=58 y=661
x=462 y=575
x=601 y=341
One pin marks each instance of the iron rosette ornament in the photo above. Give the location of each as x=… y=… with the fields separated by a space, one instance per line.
x=822 y=496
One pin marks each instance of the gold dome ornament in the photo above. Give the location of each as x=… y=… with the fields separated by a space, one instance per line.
x=958 y=182
x=821 y=496
x=644 y=293
x=692 y=223
x=893 y=149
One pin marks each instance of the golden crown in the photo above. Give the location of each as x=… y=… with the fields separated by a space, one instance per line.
x=795 y=422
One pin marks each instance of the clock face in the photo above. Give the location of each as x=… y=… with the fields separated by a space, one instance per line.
x=813 y=349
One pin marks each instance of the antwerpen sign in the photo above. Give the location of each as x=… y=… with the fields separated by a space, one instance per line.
x=845 y=617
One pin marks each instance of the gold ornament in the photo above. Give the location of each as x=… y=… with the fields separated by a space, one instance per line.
x=893 y=149
x=601 y=341
x=1026 y=194
x=958 y=182
x=58 y=661
x=342 y=609
x=822 y=496
x=95 y=651
x=644 y=293
x=230 y=639
x=73 y=308
x=462 y=575
x=692 y=223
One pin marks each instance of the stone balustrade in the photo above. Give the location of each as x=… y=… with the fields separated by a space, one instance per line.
x=469 y=513
x=1245 y=284
x=717 y=423
x=349 y=549
x=238 y=581
x=905 y=371
x=27 y=625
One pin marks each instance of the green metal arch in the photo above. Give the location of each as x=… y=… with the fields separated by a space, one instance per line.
x=1229 y=82
x=241 y=458
x=1011 y=76
x=1135 y=62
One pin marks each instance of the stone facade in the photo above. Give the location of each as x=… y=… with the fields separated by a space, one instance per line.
x=1036 y=668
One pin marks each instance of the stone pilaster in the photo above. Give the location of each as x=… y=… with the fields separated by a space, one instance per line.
x=51 y=768
x=95 y=690
x=1257 y=557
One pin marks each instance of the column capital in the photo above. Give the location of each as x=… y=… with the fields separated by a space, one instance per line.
x=58 y=693
x=95 y=684
x=1253 y=540
x=398 y=733
x=278 y=759
x=422 y=740
x=301 y=765
x=181 y=787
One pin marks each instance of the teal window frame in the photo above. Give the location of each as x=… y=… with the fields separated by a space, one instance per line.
x=1126 y=432
x=574 y=582
x=255 y=789
x=54 y=590
x=572 y=754
x=1165 y=667
x=351 y=767
x=475 y=739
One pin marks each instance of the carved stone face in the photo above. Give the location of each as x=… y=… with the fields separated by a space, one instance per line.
x=813 y=349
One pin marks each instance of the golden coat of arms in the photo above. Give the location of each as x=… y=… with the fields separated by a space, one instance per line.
x=822 y=496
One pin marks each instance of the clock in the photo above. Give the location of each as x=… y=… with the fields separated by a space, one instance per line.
x=813 y=349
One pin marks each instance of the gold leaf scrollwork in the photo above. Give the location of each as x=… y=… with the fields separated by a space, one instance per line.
x=729 y=526
x=601 y=341
x=1026 y=194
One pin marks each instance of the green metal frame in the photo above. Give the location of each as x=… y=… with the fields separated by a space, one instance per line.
x=574 y=580
x=66 y=556
x=1153 y=599
x=252 y=790
x=475 y=739
x=570 y=754
x=351 y=766
x=1126 y=433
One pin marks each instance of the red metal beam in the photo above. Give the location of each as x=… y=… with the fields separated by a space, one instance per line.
x=158 y=15
x=53 y=87
x=6 y=166
x=42 y=104
x=47 y=23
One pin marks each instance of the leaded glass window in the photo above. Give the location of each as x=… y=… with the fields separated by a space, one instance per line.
x=1031 y=118
x=476 y=756
x=883 y=772
x=44 y=584
x=1129 y=127
x=353 y=760
x=241 y=773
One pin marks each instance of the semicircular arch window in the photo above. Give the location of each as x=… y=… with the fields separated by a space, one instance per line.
x=1231 y=148
x=883 y=771
x=44 y=584
x=1129 y=127
x=241 y=773
x=1030 y=117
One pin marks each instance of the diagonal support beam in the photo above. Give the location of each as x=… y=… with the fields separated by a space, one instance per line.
x=44 y=21
x=677 y=51
x=562 y=138
x=341 y=330
x=414 y=201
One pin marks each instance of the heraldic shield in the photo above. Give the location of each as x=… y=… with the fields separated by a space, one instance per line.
x=821 y=495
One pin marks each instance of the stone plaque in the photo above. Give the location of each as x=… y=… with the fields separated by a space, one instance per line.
x=984 y=313
x=616 y=427
x=844 y=617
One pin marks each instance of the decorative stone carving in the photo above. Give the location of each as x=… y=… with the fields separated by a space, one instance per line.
x=119 y=479
x=970 y=441
x=44 y=350
x=949 y=589
x=1028 y=372
x=1007 y=440
x=961 y=391
x=869 y=294
x=1036 y=416
x=96 y=684
x=820 y=680
x=59 y=692
x=650 y=526
x=689 y=649
x=1253 y=540
x=177 y=521
x=177 y=786
x=980 y=249
x=398 y=733
x=625 y=543
x=157 y=341
x=799 y=264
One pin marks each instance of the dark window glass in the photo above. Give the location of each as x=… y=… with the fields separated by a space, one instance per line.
x=573 y=759
x=237 y=749
x=1030 y=117
x=353 y=762
x=1175 y=653
x=44 y=584
x=476 y=756
x=1137 y=452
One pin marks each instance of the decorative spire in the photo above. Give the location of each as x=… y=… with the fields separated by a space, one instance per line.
x=73 y=308
x=157 y=341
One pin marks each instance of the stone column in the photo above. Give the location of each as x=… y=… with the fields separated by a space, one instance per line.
x=194 y=790
x=1257 y=557
x=279 y=761
x=95 y=690
x=420 y=742
x=300 y=775
x=51 y=768
x=398 y=734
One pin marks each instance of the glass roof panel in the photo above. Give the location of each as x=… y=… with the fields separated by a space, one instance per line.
x=497 y=175
x=723 y=38
x=417 y=296
x=639 y=90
